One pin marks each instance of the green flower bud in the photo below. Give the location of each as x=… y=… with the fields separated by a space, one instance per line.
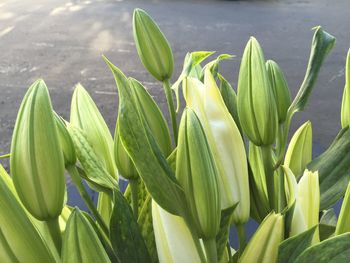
x=152 y=46
x=263 y=247
x=345 y=106
x=225 y=143
x=173 y=238
x=280 y=89
x=126 y=167
x=37 y=164
x=299 y=152
x=343 y=224
x=86 y=116
x=257 y=109
x=81 y=243
x=19 y=239
x=197 y=173
x=65 y=141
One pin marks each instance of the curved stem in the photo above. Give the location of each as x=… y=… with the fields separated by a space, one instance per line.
x=86 y=197
x=210 y=250
x=134 y=187
x=55 y=232
x=171 y=108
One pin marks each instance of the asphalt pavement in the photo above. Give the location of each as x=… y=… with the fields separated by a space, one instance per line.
x=62 y=42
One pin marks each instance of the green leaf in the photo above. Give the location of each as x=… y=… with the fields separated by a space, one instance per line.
x=335 y=250
x=146 y=227
x=125 y=235
x=326 y=231
x=223 y=236
x=333 y=168
x=144 y=151
x=142 y=194
x=322 y=44
x=343 y=224
x=294 y=246
x=329 y=217
x=93 y=170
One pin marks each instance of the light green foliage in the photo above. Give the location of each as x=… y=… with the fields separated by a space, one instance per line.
x=345 y=106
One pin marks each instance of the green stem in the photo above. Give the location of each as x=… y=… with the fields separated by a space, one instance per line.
x=241 y=237
x=269 y=171
x=86 y=197
x=281 y=190
x=5 y=156
x=210 y=250
x=228 y=247
x=171 y=108
x=134 y=187
x=283 y=140
x=55 y=232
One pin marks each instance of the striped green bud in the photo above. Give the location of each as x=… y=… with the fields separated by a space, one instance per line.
x=66 y=142
x=257 y=109
x=299 y=152
x=225 y=143
x=280 y=89
x=37 y=164
x=263 y=247
x=173 y=238
x=19 y=239
x=152 y=46
x=86 y=116
x=345 y=106
x=126 y=167
x=197 y=173
x=81 y=243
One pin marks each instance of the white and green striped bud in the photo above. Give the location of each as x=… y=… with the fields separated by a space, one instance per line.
x=345 y=106
x=81 y=243
x=86 y=116
x=257 y=109
x=173 y=238
x=36 y=163
x=152 y=46
x=280 y=89
x=263 y=247
x=66 y=142
x=19 y=239
x=225 y=143
x=197 y=173
x=299 y=152
x=307 y=201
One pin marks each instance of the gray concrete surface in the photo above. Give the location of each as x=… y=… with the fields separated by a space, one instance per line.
x=62 y=42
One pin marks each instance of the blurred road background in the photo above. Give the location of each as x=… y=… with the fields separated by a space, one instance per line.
x=62 y=42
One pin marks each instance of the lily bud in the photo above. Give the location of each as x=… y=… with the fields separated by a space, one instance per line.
x=307 y=201
x=173 y=238
x=37 y=164
x=152 y=46
x=263 y=247
x=257 y=109
x=345 y=106
x=65 y=141
x=225 y=143
x=19 y=239
x=126 y=167
x=299 y=152
x=197 y=174
x=86 y=116
x=280 y=89
x=343 y=224
x=81 y=243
